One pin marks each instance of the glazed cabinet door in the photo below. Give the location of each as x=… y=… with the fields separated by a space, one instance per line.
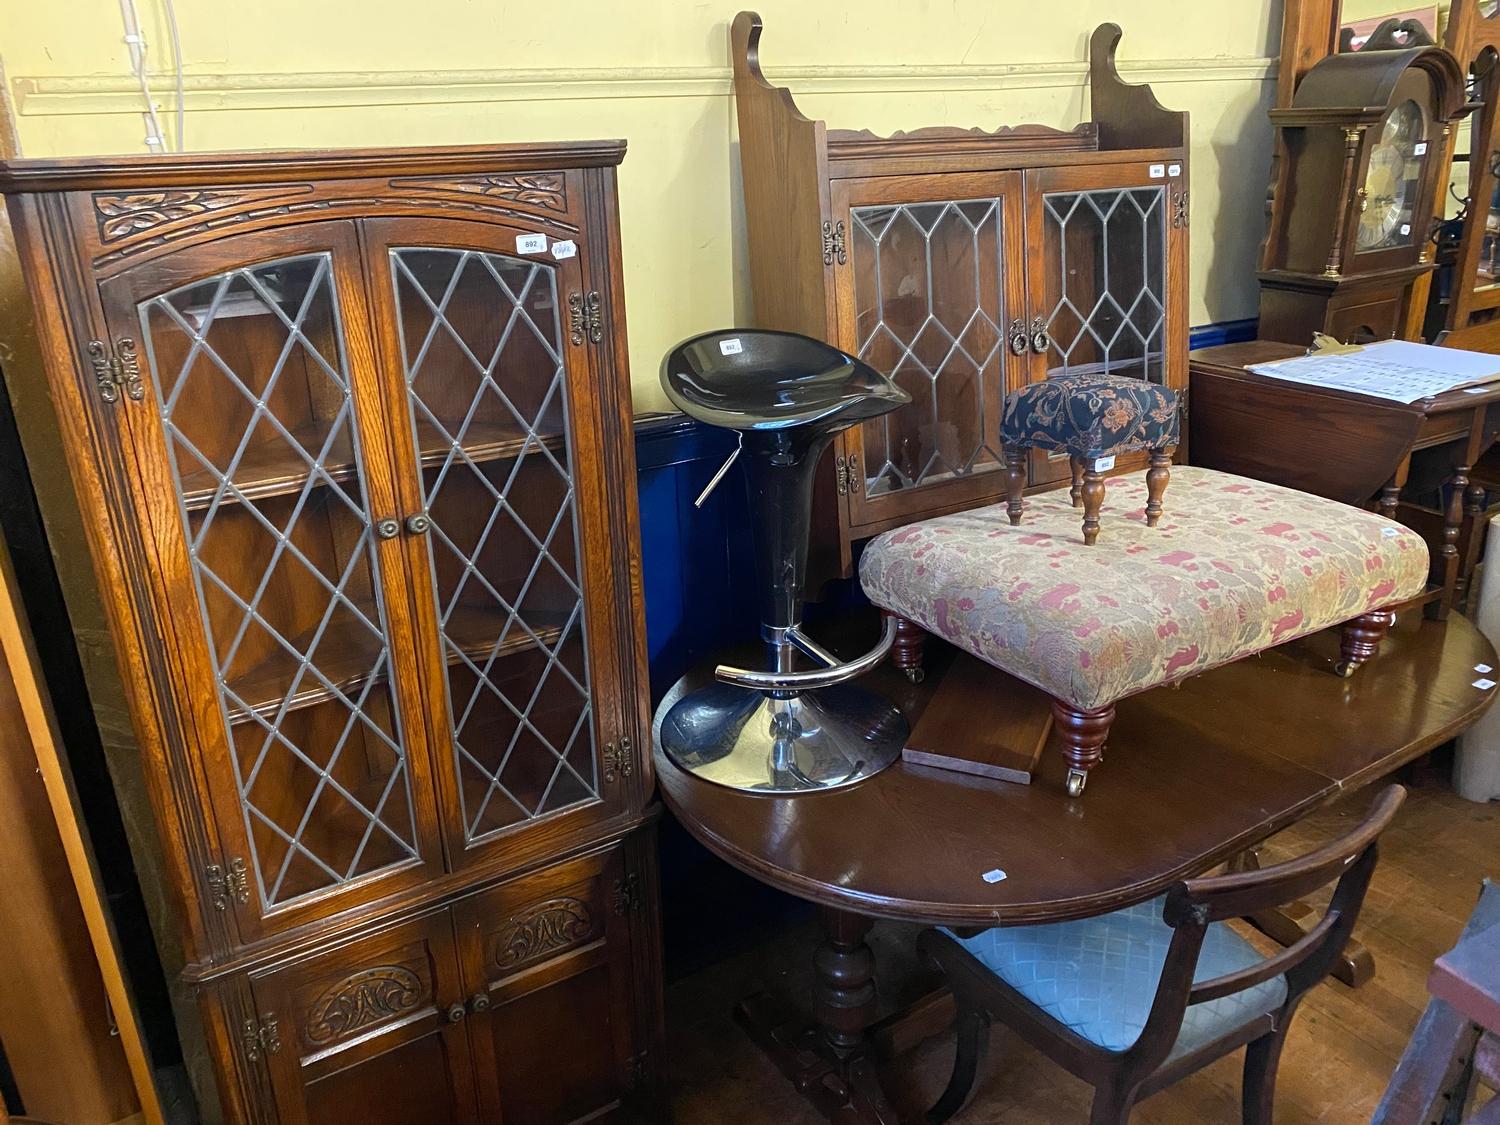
x=1106 y=250
x=547 y=957
x=263 y=473
x=930 y=289
x=375 y=1031
x=499 y=435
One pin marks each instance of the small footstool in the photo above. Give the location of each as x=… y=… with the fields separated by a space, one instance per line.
x=1090 y=417
x=1238 y=566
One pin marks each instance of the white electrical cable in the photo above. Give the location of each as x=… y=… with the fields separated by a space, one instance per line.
x=177 y=67
x=136 y=43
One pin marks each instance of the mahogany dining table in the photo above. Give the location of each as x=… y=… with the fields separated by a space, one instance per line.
x=1195 y=775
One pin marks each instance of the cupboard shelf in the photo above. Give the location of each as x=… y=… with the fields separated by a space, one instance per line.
x=346 y=655
x=273 y=470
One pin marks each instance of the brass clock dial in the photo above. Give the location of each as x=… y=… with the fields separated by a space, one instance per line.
x=1392 y=181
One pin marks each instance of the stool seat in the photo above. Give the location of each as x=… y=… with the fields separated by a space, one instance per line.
x=1098 y=976
x=1091 y=416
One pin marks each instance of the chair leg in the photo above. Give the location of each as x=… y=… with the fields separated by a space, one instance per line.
x=1112 y=1106
x=1360 y=639
x=1083 y=735
x=1262 y=1057
x=973 y=1041
x=1076 y=492
x=1156 y=484
x=1015 y=484
x=1093 y=503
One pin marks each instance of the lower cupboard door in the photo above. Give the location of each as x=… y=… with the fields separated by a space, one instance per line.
x=373 y=1032
x=554 y=1041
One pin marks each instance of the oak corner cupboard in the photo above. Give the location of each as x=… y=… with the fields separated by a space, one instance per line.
x=964 y=264
x=347 y=433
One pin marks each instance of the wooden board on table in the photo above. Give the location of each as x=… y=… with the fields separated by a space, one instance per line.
x=984 y=722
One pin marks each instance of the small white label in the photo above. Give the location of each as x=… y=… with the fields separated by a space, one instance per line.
x=1419 y=149
x=1483 y=669
x=994 y=876
x=1477 y=390
x=531 y=244
x=731 y=346
x=1484 y=685
x=1389 y=532
x=1104 y=464
x=1174 y=169
x=1158 y=171
x=1405 y=229
x=565 y=249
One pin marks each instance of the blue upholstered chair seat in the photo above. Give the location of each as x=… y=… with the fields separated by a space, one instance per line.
x=1098 y=976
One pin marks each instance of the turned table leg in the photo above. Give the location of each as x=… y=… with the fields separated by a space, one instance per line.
x=1453 y=519
x=1015 y=484
x=1093 y=503
x=831 y=1064
x=1076 y=492
x=1083 y=734
x=906 y=652
x=1156 y=484
x=1360 y=639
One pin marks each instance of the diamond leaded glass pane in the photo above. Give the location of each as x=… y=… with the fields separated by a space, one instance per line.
x=1106 y=274
x=253 y=390
x=482 y=344
x=927 y=298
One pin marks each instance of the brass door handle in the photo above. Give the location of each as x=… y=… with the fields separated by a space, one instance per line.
x=417 y=524
x=479 y=1002
x=1018 y=336
x=1040 y=341
x=387 y=528
x=456 y=1013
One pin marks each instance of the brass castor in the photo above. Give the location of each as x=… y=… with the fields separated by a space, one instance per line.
x=916 y=675
x=1077 y=779
x=1345 y=668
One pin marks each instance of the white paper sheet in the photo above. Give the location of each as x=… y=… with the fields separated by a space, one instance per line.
x=1397 y=370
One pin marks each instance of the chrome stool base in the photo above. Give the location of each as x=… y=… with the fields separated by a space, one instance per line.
x=745 y=739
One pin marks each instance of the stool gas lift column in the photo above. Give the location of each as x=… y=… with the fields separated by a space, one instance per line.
x=780 y=730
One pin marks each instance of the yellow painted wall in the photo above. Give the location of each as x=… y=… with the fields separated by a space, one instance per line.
x=324 y=73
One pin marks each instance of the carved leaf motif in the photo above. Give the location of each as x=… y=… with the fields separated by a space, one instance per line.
x=535 y=189
x=541 y=929
x=360 y=1000
x=120 y=216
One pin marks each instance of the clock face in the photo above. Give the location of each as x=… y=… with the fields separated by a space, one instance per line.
x=1393 y=181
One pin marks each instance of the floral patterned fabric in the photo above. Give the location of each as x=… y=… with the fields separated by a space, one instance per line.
x=1091 y=416
x=1234 y=567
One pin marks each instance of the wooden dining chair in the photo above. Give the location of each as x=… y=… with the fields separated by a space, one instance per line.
x=1134 y=1000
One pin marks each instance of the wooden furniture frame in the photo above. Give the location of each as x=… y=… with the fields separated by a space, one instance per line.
x=824 y=206
x=1470 y=319
x=349 y=434
x=1204 y=770
x=1121 y=1078
x=1385 y=455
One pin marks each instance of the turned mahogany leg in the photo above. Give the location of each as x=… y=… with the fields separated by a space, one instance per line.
x=1156 y=484
x=906 y=652
x=1076 y=492
x=830 y=1064
x=1453 y=518
x=1083 y=734
x=1093 y=502
x=1015 y=484
x=1361 y=639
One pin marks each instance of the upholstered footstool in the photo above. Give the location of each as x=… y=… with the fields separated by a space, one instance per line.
x=1090 y=417
x=1236 y=566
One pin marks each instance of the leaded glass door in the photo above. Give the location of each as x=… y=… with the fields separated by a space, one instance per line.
x=263 y=461
x=929 y=291
x=490 y=386
x=1100 y=244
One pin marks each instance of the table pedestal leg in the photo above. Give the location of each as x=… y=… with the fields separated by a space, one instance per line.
x=1288 y=924
x=831 y=1063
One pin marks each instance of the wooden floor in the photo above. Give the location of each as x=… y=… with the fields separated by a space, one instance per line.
x=1342 y=1048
